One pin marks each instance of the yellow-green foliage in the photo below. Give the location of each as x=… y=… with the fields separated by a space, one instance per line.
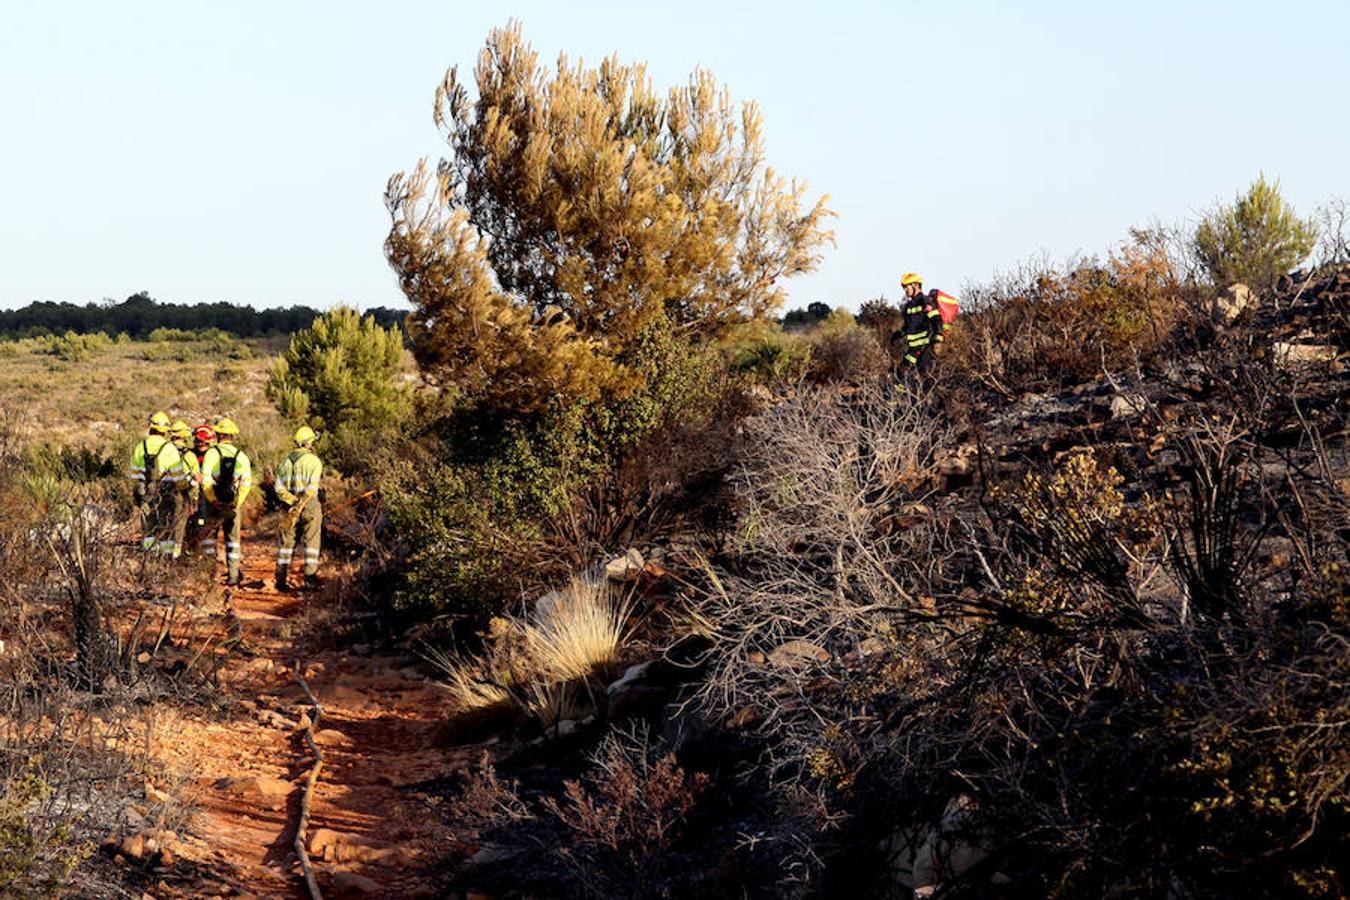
x=1255 y=239
x=1081 y=536
x=578 y=207
x=73 y=347
x=766 y=353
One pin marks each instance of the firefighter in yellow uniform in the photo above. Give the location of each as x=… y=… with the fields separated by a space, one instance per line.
x=189 y=489
x=156 y=473
x=227 y=477
x=297 y=486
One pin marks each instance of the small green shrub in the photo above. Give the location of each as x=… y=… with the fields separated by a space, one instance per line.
x=167 y=351
x=66 y=463
x=38 y=853
x=160 y=335
x=768 y=355
x=73 y=347
x=1255 y=239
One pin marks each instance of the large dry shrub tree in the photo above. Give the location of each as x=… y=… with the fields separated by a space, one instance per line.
x=578 y=208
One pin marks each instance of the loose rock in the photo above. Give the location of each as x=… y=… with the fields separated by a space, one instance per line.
x=625 y=568
x=1231 y=302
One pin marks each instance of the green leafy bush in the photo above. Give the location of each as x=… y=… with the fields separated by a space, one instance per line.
x=1255 y=239
x=766 y=354
x=489 y=503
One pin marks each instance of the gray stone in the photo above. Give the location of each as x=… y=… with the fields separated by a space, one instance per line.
x=1230 y=303
x=1128 y=404
x=548 y=604
x=632 y=675
x=1290 y=356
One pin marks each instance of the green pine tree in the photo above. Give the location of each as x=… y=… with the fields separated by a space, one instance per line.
x=342 y=374
x=1256 y=239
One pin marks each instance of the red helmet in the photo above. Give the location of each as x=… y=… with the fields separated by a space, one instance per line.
x=204 y=433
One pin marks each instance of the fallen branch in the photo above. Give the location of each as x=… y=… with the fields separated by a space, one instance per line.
x=307 y=795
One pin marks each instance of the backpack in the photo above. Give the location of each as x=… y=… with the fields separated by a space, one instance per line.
x=225 y=480
x=947 y=305
x=150 y=462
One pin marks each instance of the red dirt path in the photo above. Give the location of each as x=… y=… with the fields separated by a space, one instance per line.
x=379 y=733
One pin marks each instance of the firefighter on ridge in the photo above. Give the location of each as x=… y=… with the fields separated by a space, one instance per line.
x=297 y=486
x=156 y=471
x=227 y=476
x=920 y=327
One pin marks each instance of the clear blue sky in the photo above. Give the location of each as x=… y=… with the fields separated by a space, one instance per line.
x=238 y=151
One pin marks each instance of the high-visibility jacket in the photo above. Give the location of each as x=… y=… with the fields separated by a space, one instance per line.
x=921 y=326
x=154 y=460
x=297 y=475
x=243 y=472
x=192 y=469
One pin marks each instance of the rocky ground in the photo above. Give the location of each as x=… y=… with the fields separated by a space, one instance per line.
x=380 y=732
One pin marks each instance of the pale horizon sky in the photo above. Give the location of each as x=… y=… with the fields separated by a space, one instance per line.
x=239 y=152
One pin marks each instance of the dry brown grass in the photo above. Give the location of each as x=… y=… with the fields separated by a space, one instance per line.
x=101 y=402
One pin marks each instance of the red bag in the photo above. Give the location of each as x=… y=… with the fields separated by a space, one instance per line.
x=948 y=306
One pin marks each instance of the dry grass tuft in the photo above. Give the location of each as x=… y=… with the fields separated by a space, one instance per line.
x=544 y=666
x=581 y=635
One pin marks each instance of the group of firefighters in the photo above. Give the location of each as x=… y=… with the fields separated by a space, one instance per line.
x=189 y=484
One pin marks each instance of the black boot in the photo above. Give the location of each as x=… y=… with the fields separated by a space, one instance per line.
x=313 y=582
x=282 y=586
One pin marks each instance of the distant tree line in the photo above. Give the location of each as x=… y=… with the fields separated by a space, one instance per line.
x=140 y=314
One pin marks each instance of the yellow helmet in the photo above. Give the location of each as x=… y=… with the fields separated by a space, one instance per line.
x=304 y=435
x=225 y=427
x=910 y=278
x=180 y=430
x=159 y=423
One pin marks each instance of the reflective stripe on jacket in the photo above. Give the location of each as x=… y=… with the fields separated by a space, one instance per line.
x=155 y=458
x=298 y=474
x=919 y=327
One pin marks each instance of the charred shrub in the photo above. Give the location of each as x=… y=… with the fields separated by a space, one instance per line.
x=1046 y=327
x=623 y=822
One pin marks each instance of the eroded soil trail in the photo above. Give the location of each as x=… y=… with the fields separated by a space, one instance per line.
x=369 y=834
